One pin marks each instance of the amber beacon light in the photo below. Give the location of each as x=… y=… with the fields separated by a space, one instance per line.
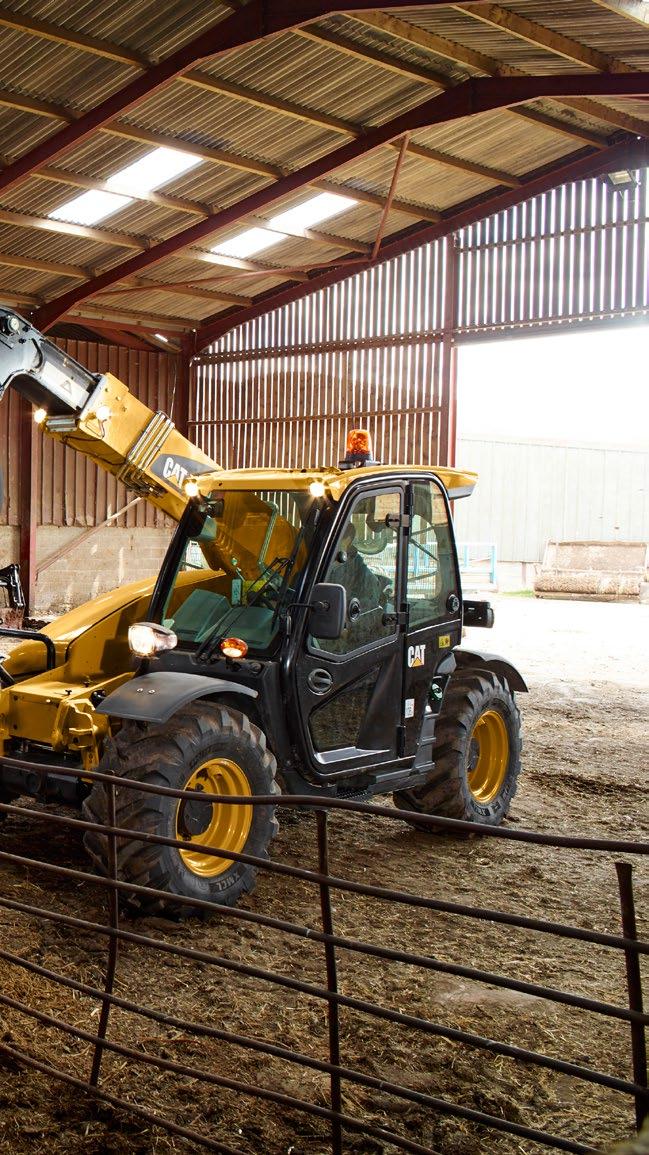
x=234 y=648
x=359 y=450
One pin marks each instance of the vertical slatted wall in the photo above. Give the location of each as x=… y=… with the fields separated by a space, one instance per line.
x=576 y=253
x=284 y=389
x=73 y=491
x=374 y=350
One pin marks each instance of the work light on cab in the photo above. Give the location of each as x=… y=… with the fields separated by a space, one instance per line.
x=148 y=638
x=359 y=450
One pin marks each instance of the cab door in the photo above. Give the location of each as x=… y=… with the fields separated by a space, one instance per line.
x=433 y=596
x=349 y=689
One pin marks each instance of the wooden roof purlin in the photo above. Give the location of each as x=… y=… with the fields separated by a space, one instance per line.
x=420 y=113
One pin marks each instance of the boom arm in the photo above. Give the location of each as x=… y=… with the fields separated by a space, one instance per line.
x=98 y=416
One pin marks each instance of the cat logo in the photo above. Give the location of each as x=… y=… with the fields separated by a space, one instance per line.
x=416 y=656
x=174 y=471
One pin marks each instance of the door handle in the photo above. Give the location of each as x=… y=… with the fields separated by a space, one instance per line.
x=319 y=681
x=354 y=610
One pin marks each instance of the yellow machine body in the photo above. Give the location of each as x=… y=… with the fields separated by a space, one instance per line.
x=99 y=417
x=55 y=707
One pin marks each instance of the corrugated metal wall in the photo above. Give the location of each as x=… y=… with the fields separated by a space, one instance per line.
x=579 y=252
x=530 y=493
x=73 y=491
x=285 y=389
x=376 y=349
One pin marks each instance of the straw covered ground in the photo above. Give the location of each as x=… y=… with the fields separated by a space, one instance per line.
x=585 y=772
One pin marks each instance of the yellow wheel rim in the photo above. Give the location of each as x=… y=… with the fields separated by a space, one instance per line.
x=218 y=825
x=488 y=756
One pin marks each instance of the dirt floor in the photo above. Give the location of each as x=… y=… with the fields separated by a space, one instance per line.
x=585 y=723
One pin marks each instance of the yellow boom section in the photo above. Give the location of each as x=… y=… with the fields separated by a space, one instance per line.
x=99 y=417
x=141 y=448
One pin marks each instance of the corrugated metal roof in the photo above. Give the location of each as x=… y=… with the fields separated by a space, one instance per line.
x=48 y=246
x=350 y=78
x=205 y=118
x=146 y=26
x=317 y=76
x=513 y=144
x=591 y=25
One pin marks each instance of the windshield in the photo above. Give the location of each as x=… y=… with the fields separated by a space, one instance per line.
x=238 y=571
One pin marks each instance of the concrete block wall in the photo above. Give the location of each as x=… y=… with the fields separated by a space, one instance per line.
x=112 y=557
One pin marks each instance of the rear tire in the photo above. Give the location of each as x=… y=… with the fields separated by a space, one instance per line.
x=210 y=748
x=477 y=753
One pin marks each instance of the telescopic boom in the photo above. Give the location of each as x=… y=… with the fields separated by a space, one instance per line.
x=98 y=416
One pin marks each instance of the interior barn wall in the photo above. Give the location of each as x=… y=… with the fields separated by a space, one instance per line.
x=374 y=351
x=575 y=254
x=111 y=557
x=74 y=494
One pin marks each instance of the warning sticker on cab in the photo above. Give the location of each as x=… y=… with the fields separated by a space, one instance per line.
x=444 y=641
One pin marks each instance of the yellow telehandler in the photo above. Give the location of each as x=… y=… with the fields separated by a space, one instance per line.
x=304 y=633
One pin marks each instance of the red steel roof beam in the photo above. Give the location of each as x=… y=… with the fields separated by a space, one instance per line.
x=627 y=154
x=466 y=99
x=390 y=197
x=242 y=27
x=256 y=20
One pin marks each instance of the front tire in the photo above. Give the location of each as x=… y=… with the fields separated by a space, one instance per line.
x=477 y=753
x=206 y=748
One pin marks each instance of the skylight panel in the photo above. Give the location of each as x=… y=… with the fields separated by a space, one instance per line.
x=313 y=212
x=153 y=170
x=90 y=207
x=248 y=243
x=149 y=172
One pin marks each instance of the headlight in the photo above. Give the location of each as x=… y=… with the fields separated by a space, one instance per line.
x=148 y=638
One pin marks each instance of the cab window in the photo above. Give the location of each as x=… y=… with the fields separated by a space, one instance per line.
x=365 y=563
x=431 y=573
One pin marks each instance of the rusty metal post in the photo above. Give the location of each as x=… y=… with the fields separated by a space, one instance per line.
x=624 y=872
x=333 y=1011
x=113 y=941
x=30 y=457
x=181 y=397
x=446 y=349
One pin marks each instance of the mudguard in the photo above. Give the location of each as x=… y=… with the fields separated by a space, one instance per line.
x=500 y=666
x=156 y=697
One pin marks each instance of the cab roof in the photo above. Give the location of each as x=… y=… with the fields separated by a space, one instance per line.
x=457 y=482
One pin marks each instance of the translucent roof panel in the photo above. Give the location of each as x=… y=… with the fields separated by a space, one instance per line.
x=90 y=207
x=312 y=212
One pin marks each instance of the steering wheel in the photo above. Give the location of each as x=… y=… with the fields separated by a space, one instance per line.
x=372 y=544
x=266 y=596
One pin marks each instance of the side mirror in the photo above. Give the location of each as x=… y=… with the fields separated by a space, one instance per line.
x=328 y=610
x=478 y=614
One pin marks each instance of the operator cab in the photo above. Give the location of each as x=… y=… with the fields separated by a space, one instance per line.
x=232 y=571
x=345 y=581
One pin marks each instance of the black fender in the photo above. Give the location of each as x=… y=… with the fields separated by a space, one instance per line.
x=500 y=666
x=156 y=697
